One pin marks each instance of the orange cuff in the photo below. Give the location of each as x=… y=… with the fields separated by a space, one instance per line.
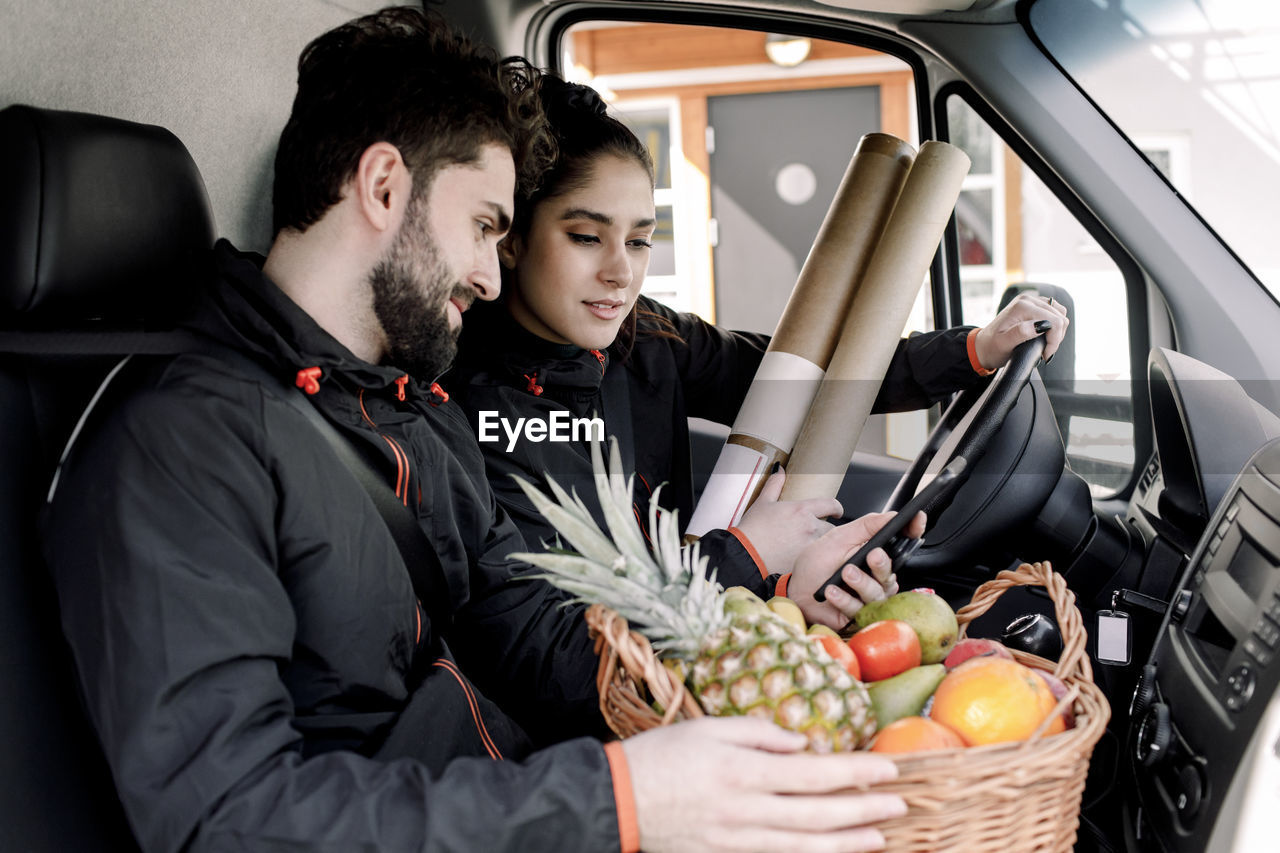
x=781 y=588
x=628 y=826
x=971 y=344
x=751 y=549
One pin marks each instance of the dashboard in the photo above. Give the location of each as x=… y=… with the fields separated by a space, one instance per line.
x=1208 y=689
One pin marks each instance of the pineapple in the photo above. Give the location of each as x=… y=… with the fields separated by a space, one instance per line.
x=744 y=661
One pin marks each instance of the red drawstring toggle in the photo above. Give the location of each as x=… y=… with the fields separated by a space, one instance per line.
x=534 y=388
x=437 y=391
x=400 y=383
x=308 y=379
x=599 y=357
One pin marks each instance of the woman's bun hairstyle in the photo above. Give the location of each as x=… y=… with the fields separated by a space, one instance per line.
x=579 y=121
x=565 y=102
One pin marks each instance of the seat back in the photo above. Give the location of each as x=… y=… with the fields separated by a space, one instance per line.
x=102 y=231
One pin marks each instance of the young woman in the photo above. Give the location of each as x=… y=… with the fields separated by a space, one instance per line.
x=572 y=336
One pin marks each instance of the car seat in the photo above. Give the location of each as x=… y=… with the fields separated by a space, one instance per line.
x=102 y=229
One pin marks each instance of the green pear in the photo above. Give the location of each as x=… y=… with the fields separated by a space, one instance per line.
x=927 y=613
x=905 y=694
x=739 y=599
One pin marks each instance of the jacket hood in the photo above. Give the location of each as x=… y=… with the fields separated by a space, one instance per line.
x=248 y=312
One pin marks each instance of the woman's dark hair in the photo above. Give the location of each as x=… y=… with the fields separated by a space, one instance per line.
x=402 y=76
x=584 y=131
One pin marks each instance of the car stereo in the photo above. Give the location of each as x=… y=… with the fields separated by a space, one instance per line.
x=1214 y=669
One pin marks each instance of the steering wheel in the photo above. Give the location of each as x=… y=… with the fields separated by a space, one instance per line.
x=1014 y=454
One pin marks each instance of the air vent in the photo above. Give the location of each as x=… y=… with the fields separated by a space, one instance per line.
x=1149 y=475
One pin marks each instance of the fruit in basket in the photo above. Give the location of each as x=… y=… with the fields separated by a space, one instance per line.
x=739 y=599
x=749 y=662
x=928 y=613
x=885 y=649
x=788 y=610
x=839 y=651
x=993 y=700
x=1059 y=689
x=915 y=734
x=905 y=694
x=975 y=648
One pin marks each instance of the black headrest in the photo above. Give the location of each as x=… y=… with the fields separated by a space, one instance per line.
x=101 y=219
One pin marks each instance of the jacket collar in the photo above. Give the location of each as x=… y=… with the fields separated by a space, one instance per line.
x=495 y=346
x=247 y=311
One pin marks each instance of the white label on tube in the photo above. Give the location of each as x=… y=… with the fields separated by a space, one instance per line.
x=725 y=498
x=779 y=399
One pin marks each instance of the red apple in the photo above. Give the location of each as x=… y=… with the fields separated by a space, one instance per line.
x=1058 y=689
x=972 y=648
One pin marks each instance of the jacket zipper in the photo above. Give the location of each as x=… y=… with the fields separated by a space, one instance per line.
x=402 y=458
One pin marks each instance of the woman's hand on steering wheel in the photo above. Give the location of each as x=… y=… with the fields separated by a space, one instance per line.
x=1017 y=323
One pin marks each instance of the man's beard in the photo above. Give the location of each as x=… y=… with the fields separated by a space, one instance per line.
x=411 y=287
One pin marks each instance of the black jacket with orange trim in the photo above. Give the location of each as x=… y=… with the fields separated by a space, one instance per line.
x=694 y=370
x=248 y=640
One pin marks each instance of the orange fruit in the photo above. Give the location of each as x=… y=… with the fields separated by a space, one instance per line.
x=914 y=734
x=840 y=653
x=885 y=649
x=994 y=700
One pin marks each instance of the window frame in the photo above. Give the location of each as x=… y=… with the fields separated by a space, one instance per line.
x=1135 y=282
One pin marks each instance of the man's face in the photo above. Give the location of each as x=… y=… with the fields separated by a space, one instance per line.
x=444 y=256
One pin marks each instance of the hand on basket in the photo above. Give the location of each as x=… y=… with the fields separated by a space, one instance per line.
x=781 y=530
x=723 y=783
x=816 y=563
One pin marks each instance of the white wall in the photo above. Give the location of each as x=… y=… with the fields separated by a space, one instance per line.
x=220 y=75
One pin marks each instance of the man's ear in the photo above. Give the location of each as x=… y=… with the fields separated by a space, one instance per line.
x=510 y=249
x=382 y=186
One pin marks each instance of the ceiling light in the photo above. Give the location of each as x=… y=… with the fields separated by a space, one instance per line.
x=787 y=51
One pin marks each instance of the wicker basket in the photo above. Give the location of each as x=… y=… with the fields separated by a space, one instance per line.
x=1005 y=797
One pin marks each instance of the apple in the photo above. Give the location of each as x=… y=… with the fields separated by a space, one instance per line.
x=973 y=648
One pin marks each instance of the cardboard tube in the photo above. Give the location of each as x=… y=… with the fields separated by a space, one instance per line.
x=770 y=418
x=874 y=324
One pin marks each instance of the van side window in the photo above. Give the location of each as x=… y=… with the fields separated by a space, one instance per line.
x=1014 y=234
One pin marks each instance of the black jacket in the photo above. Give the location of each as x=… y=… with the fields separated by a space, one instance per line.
x=249 y=643
x=696 y=370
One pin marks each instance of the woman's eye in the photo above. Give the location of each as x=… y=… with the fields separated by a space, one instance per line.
x=641 y=243
x=583 y=238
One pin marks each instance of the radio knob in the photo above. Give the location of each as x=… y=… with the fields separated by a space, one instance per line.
x=1143 y=692
x=1155 y=736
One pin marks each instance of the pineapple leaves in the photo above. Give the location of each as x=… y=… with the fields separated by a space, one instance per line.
x=664 y=593
x=614 y=492
x=571 y=520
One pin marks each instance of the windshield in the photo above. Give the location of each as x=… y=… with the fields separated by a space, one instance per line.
x=1195 y=84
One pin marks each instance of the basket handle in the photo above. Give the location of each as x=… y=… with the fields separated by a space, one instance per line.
x=1074 y=660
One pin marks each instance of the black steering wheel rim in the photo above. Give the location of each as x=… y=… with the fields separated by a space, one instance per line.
x=994 y=402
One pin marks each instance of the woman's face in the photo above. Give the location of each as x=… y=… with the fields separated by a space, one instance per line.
x=580 y=265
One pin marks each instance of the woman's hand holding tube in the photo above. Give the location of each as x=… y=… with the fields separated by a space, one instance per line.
x=781 y=530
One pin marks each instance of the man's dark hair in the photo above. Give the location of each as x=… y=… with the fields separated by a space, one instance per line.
x=401 y=76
